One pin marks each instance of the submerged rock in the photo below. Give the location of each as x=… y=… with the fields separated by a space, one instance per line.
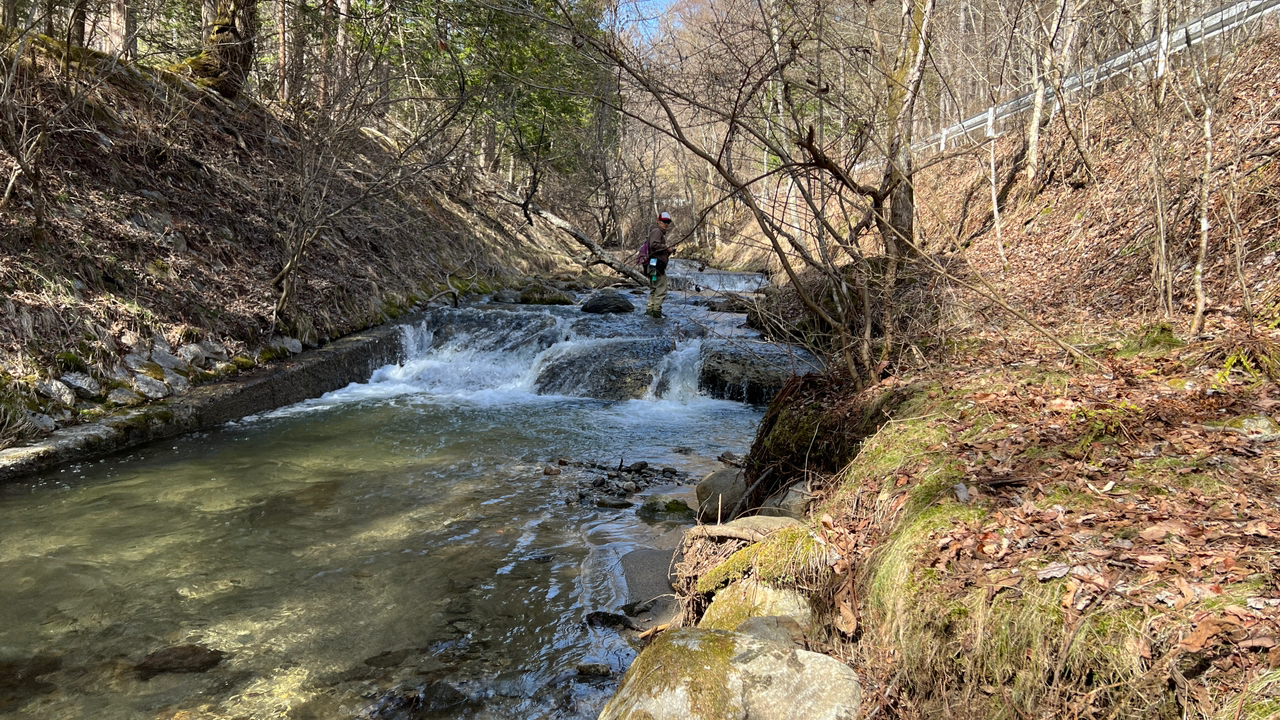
x=20 y=677
x=665 y=507
x=434 y=699
x=610 y=620
x=695 y=674
x=179 y=659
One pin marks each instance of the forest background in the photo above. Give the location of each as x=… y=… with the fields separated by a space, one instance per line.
x=237 y=170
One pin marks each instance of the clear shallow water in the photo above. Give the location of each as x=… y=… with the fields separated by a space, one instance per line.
x=350 y=550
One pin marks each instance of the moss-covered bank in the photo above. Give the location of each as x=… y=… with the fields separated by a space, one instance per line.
x=1038 y=541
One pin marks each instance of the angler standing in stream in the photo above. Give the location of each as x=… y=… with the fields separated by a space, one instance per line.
x=658 y=253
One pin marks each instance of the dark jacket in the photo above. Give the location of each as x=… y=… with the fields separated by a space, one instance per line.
x=658 y=247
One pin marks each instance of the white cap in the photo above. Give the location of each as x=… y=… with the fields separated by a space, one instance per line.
x=664 y=216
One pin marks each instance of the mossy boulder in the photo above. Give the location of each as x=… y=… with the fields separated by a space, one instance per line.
x=537 y=294
x=697 y=674
x=750 y=598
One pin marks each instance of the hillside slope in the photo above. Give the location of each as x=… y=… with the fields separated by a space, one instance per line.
x=167 y=208
x=1000 y=529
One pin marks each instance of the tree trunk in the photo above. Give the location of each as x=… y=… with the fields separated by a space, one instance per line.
x=122 y=32
x=229 y=52
x=1197 y=322
x=1037 y=112
x=325 y=78
x=76 y=28
x=284 y=56
x=343 y=72
x=208 y=18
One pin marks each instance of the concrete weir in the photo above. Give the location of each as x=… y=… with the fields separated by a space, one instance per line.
x=613 y=359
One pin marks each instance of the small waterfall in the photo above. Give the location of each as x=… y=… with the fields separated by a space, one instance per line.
x=676 y=377
x=687 y=275
x=500 y=356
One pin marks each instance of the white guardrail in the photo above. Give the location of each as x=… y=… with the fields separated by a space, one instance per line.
x=1207 y=27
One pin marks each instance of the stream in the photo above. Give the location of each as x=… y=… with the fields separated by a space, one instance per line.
x=389 y=550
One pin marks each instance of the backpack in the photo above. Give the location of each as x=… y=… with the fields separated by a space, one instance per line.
x=643 y=259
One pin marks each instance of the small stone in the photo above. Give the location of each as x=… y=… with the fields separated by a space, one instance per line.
x=43 y=423
x=630 y=487
x=637 y=466
x=215 y=350
x=192 y=354
x=58 y=391
x=730 y=459
x=670 y=471
x=176 y=382
x=594 y=669
x=390 y=658
x=123 y=397
x=291 y=345
x=167 y=360
x=83 y=385
x=550 y=470
x=149 y=387
x=159 y=342
x=612 y=503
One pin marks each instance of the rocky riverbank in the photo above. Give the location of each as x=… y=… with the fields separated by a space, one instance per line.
x=989 y=543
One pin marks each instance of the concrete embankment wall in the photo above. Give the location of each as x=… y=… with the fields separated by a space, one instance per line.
x=308 y=375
